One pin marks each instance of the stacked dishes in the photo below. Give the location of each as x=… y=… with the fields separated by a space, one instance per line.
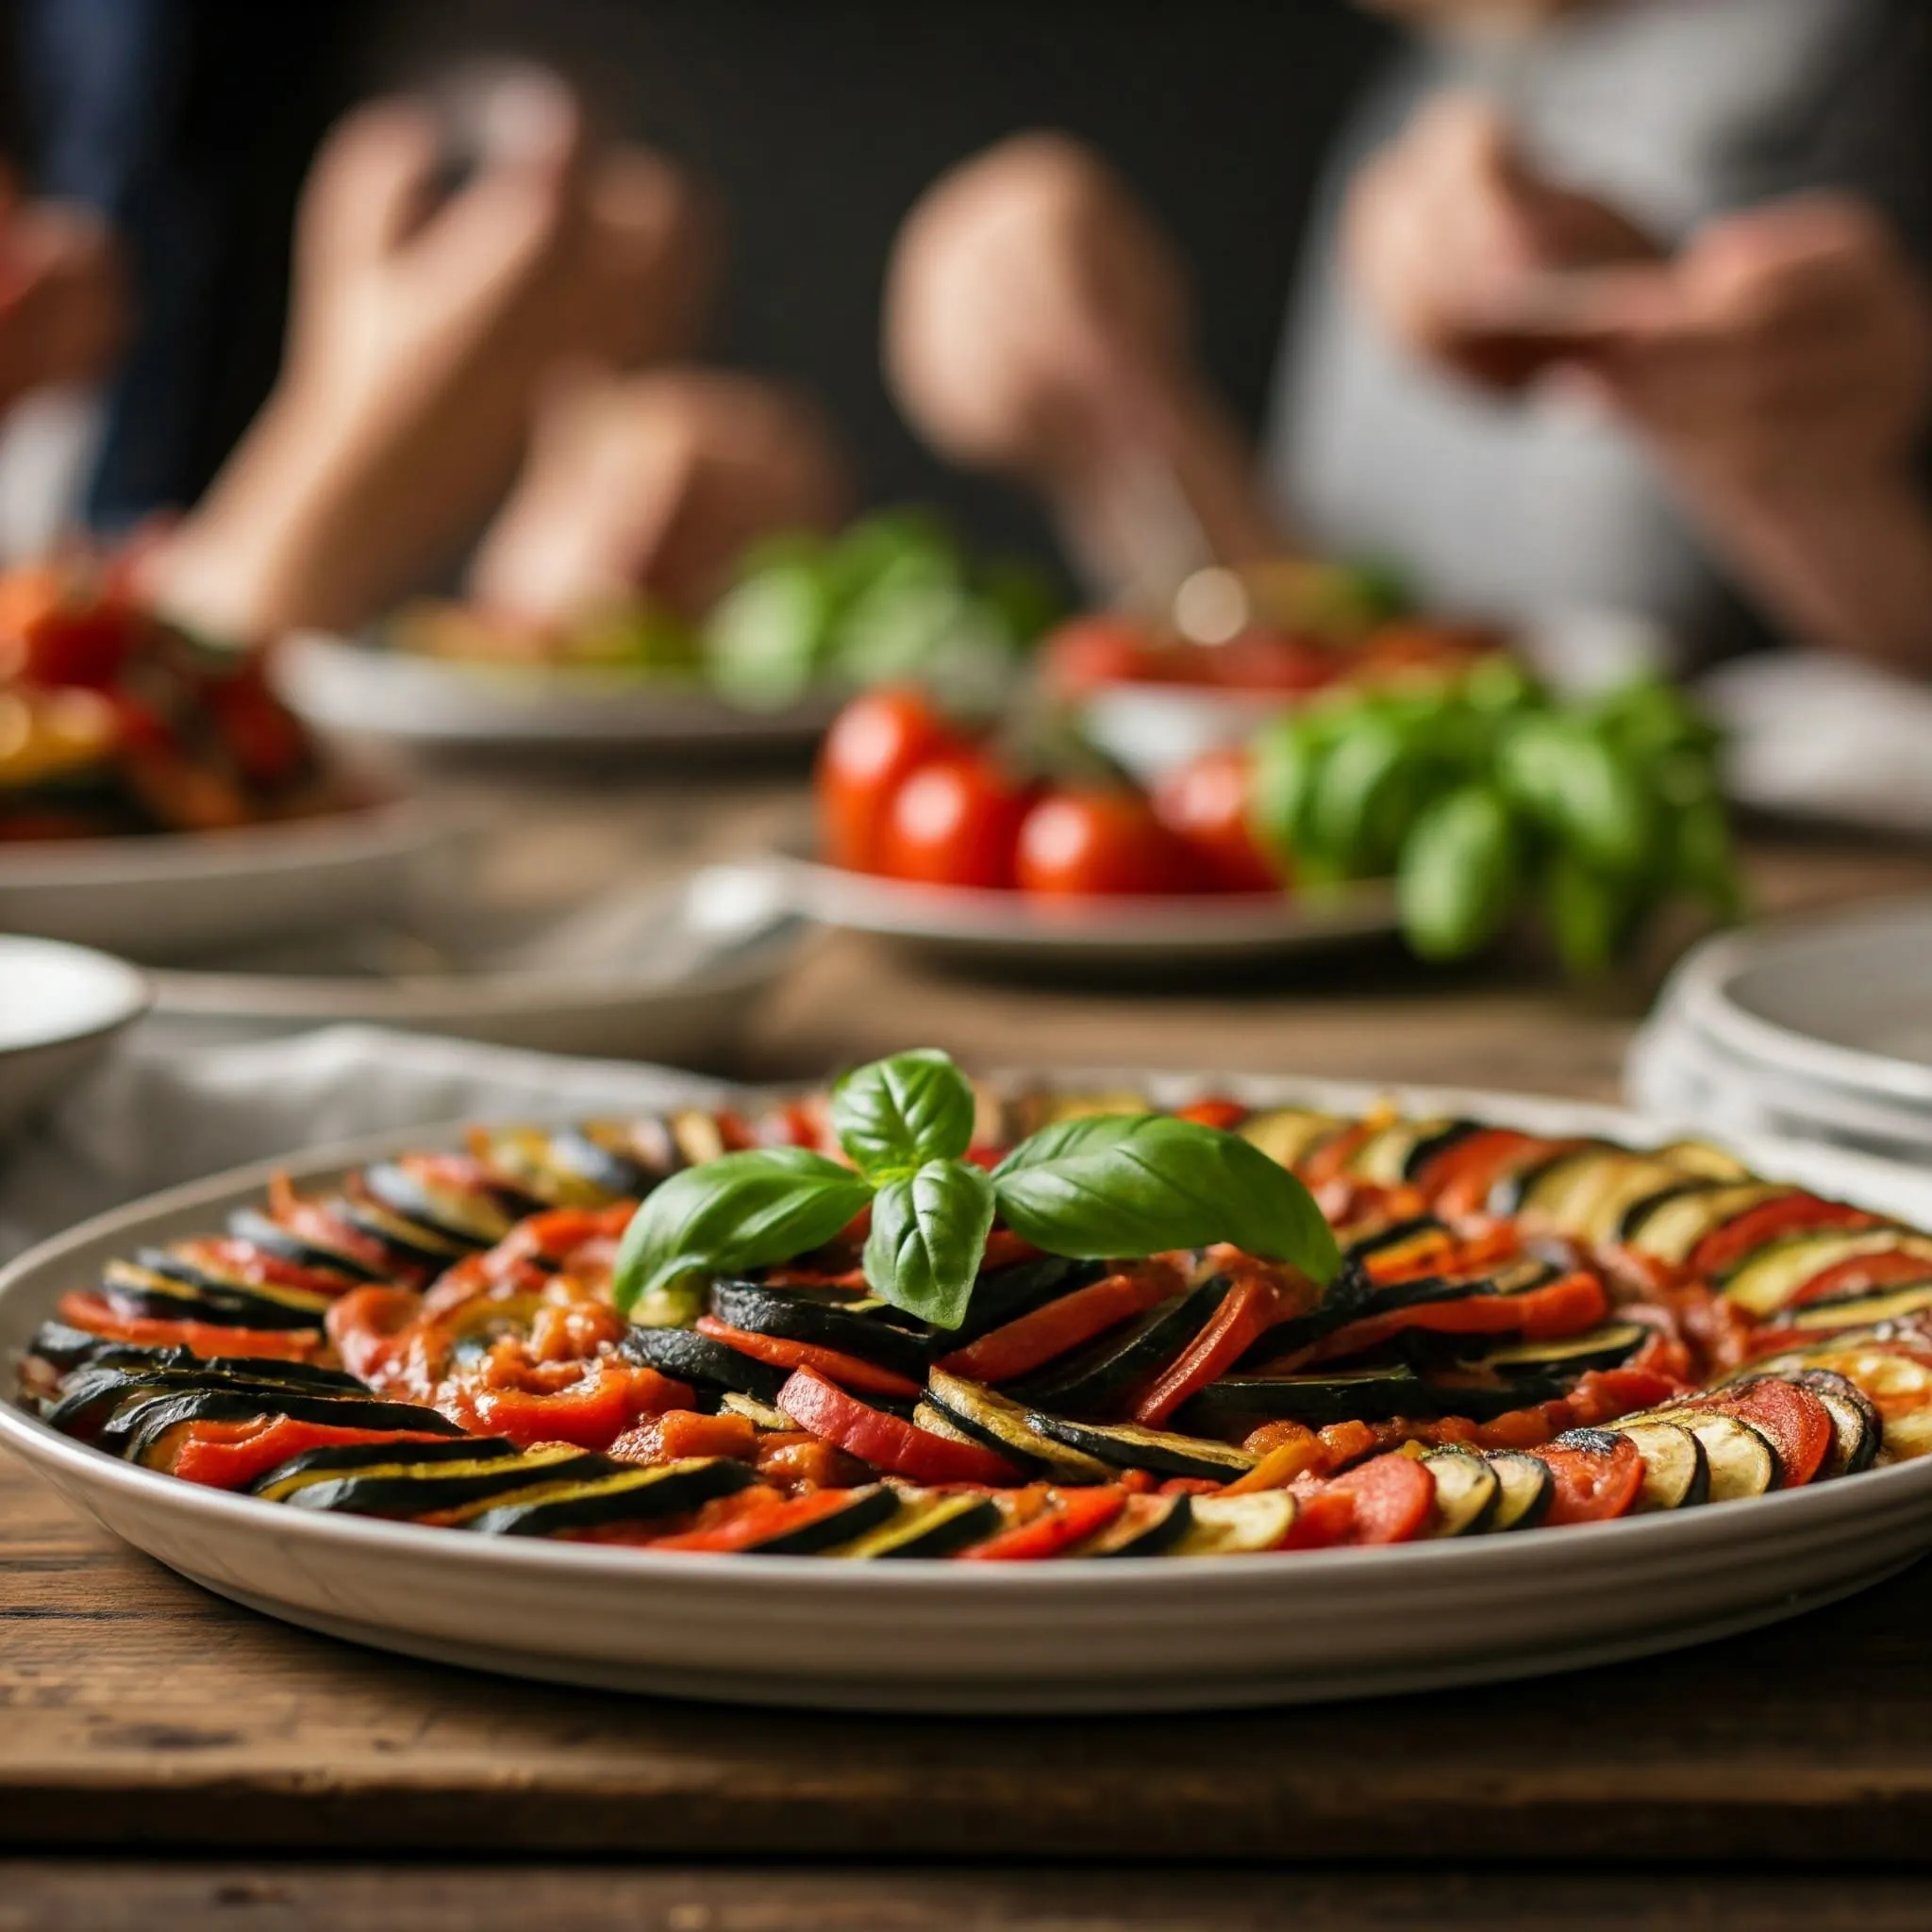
x=1820 y=1029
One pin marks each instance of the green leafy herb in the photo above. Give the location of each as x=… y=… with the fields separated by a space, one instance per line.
x=742 y=1210
x=897 y=1114
x=928 y=1233
x=1460 y=875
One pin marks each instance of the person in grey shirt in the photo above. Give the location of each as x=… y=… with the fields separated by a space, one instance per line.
x=1616 y=302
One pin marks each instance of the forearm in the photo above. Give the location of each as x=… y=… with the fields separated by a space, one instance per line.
x=1842 y=564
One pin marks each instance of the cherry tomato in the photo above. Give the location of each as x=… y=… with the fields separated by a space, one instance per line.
x=54 y=631
x=954 y=822
x=1093 y=843
x=1205 y=802
x=1086 y=653
x=874 y=745
x=1269 y=660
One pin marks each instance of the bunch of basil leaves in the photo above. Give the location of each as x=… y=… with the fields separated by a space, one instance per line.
x=1101 y=1187
x=1490 y=796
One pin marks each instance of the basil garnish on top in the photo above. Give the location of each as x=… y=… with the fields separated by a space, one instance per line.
x=1104 y=1187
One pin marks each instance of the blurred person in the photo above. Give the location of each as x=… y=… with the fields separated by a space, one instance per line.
x=655 y=483
x=1633 y=314
x=430 y=303
x=63 y=311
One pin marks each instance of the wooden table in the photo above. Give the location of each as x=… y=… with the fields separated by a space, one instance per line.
x=166 y=1757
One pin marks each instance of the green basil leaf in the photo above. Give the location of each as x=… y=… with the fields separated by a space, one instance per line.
x=896 y=1114
x=1592 y=915
x=1139 y=1184
x=1460 y=874
x=742 y=1210
x=928 y=1233
x=1584 y=789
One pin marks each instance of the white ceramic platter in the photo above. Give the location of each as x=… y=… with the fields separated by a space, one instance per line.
x=60 y=1008
x=1130 y=1635
x=342 y=686
x=179 y=892
x=1018 y=928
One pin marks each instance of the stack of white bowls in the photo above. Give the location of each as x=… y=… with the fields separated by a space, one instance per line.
x=1818 y=1029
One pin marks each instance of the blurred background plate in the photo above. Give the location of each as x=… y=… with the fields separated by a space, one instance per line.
x=170 y=894
x=665 y=972
x=1030 y=930
x=356 y=689
x=60 y=1009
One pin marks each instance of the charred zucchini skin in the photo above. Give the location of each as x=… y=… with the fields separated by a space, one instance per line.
x=924 y=1526
x=864 y=1510
x=246 y=1224
x=1100 y=1375
x=417 y=1247
x=1007 y=1428
x=385 y=1486
x=135 y=1431
x=90 y=1394
x=500 y=1206
x=63 y=1347
x=702 y=1361
x=1161 y=1452
x=1426 y=1150
x=158 y=1286
x=638 y=1494
x=1857 y=1426
x=331 y=1459
x=800 y=1316
x=1237 y=1404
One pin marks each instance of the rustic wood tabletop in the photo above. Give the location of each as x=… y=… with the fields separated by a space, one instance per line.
x=166 y=1757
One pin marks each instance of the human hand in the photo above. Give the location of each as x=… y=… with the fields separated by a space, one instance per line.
x=655 y=483
x=1458 y=246
x=63 y=298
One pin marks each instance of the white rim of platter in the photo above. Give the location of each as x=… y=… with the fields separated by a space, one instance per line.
x=341 y=685
x=1015 y=925
x=177 y=892
x=1134 y=1634
x=1706 y=991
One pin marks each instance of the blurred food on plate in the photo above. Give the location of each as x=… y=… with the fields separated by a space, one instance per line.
x=114 y=722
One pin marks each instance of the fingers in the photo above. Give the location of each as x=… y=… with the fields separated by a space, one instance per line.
x=368 y=188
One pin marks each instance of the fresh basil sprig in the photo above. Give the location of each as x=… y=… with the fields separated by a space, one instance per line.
x=1104 y=1187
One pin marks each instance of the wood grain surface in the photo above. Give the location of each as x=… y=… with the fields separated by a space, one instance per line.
x=139 y=1716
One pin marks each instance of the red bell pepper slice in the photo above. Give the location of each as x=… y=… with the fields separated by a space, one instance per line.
x=884 y=1440
x=1223 y=1115
x=1566 y=1307
x=781 y=1352
x=1460 y=1178
x=1040 y=1335
x=591 y=1412
x=1593 y=1485
x=205 y=1458
x=1860 y=1275
x=93 y=1312
x=757 y=1520
x=1072 y=1517
x=1724 y=1246
x=1247 y=1313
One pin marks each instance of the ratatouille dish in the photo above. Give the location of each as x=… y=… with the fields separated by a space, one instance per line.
x=912 y=1317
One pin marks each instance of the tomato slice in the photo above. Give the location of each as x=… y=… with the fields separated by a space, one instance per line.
x=756 y=1520
x=1324 y=1518
x=1071 y=1517
x=98 y=1316
x=1723 y=1246
x=205 y=1458
x=884 y=1440
x=1248 y=1312
x=1393 y=1499
x=1799 y=1425
x=593 y=1412
x=1041 y=1334
x=1595 y=1481
x=781 y=1352
x=1861 y=1274
x=684 y=1432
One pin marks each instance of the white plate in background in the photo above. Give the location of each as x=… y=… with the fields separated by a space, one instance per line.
x=60 y=1008
x=1141 y=1633
x=177 y=893
x=339 y=685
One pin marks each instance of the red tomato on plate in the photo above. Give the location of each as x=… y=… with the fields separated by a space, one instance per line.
x=876 y=743
x=1104 y=843
x=1269 y=660
x=954 y=822
x=1204 y=803
x=1086 y=653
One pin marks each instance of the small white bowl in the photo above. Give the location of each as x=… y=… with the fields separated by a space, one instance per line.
x=60 y=1008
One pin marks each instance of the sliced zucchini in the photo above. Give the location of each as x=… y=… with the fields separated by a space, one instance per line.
x=64 y=1348
x=92 y=1394
x=403 y=1487
x=1646 y=1208
x=633 y=1494
x=172 y=1292
x=1099 y=1377
x=1524 y=1489
x=1594 y=1210
x=1765 y=1282
x=1677 y=1466
x=1892 y=1306
x=418 y=1246
x=1858 y=1430
x=246 y=1224
x=1146 y=1526
x=1161 y=1452
x=1239 y=1402
x=477 y=1217
x=863 y=1509
x=1539 y=1163
x=704 y=1362
x=799 y=1315
x=760 y=1414
x=1236 y=1525
x=1427 y=1149
x=926 y=1525
x=138 y=1428
x=1422 y=1232
x=1383 y=1159
x=1288 y=1134
x=1676 y=1227
x=1469 y=1491
x=1603 y=1347
x=997 y=1421
x=1743 y=1460
x=331 y=1459
x=1701 y=1158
